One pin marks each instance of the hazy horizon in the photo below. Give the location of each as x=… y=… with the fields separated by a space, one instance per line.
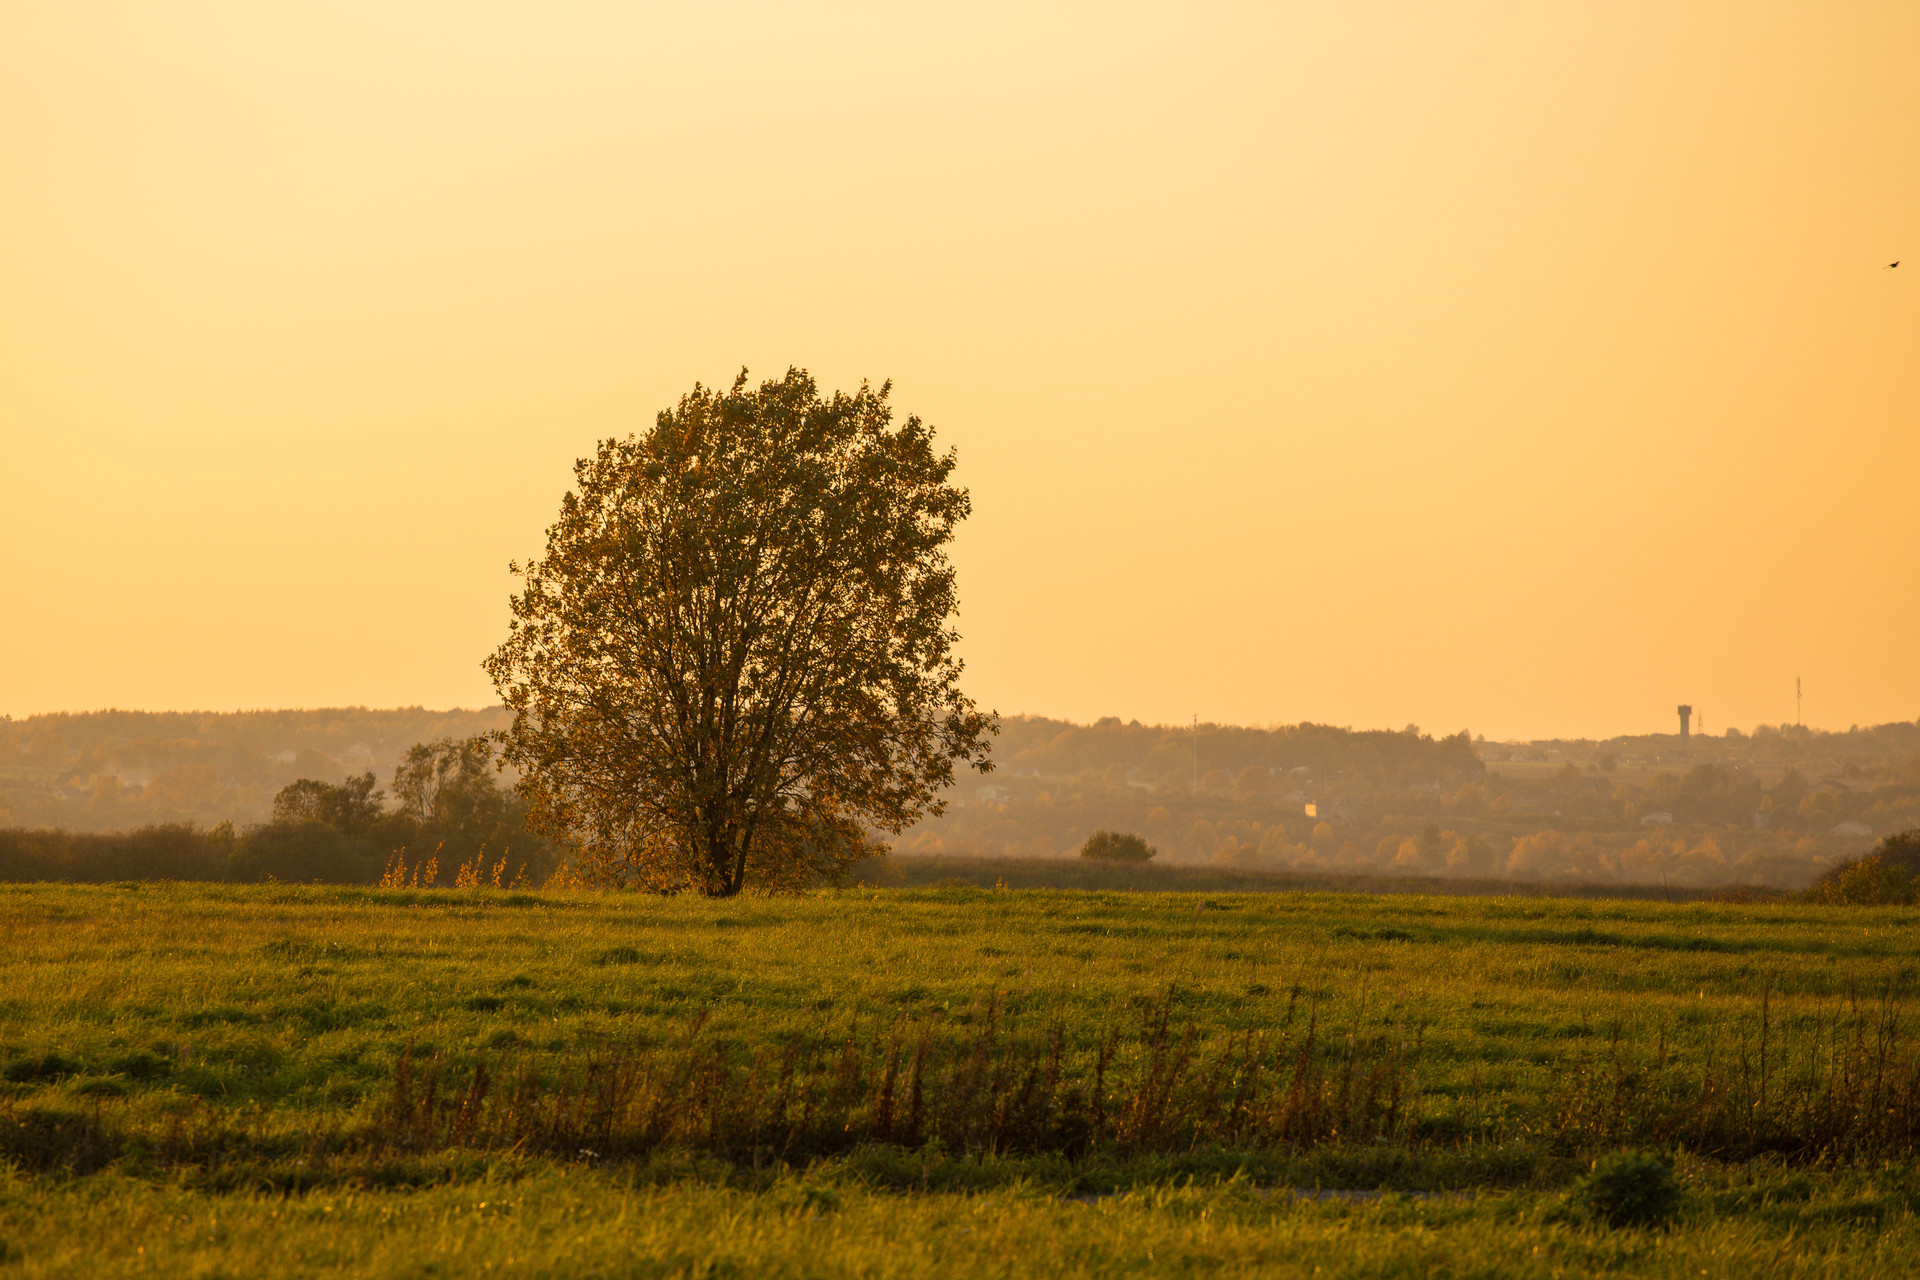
x=1525 y=369
x=1437 y=731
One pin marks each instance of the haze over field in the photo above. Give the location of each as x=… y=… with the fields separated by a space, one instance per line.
x=1529 y=369
x=1775 y=808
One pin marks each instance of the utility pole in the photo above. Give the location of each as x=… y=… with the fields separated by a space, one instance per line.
x=1796 y=702
x=1196 y=754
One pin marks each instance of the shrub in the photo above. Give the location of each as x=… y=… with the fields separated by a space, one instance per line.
x=1863 y=882
x=1628 y=1189
x=1111 y=846
x=1885 y=877
x=169 y=851
x=306 y=851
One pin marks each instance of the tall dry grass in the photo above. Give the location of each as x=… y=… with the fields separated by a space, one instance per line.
x=998 y=1089
x=1838 y=1087
x=1835 y=1089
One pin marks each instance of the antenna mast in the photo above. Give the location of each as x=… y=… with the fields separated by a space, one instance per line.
x=1796 y=702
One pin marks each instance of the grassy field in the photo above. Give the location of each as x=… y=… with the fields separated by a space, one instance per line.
x=953 y=871
x=294 y=1081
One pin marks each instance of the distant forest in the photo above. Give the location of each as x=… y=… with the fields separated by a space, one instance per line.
x=115 y=770
x=1774 y=807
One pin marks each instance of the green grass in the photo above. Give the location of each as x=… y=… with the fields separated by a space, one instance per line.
x=207 y=1073
x=560 y=1222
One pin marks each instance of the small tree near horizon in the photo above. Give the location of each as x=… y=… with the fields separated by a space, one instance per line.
x=735 y=662
x=1112 y=846
x=351 y=807
x=447 y=783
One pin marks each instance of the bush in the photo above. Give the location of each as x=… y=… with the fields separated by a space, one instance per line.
x=1863 y=882
x=1885 y=877
x=1111 y=846
x=1628 y=1189
x=302 y=852
x=168 y=851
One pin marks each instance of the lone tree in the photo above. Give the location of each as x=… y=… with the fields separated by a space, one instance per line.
x=1112 y=846
x=736 y=658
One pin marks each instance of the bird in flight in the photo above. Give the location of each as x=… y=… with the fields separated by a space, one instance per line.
x=1893 y=264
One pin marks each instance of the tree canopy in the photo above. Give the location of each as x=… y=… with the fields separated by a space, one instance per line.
x=735 y=659
x=1113 y=846
x=352 y=807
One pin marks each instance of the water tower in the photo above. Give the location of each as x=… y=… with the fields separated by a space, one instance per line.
x=1686 y=714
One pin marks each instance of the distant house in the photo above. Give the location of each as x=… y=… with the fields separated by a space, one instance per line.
x=1850 y=828
x=994 y=795
x=1657 y=819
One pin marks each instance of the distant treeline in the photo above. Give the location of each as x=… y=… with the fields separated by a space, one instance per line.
x=1215 y=755
x=1167 y=755
x=183 y=851
x=1778 y=806
x=1407 y=804
x=114 y=770
x=117 y=770
x=447 y=816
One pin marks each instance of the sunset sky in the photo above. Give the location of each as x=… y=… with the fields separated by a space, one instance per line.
x=1521 y=367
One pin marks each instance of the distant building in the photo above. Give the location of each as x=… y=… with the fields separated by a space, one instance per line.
x=1657 y=819
x=1851 y=828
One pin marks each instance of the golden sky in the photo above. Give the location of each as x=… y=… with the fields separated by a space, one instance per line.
x=1523 y=367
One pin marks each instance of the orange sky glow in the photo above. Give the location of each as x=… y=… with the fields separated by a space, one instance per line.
x=1529 y=368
